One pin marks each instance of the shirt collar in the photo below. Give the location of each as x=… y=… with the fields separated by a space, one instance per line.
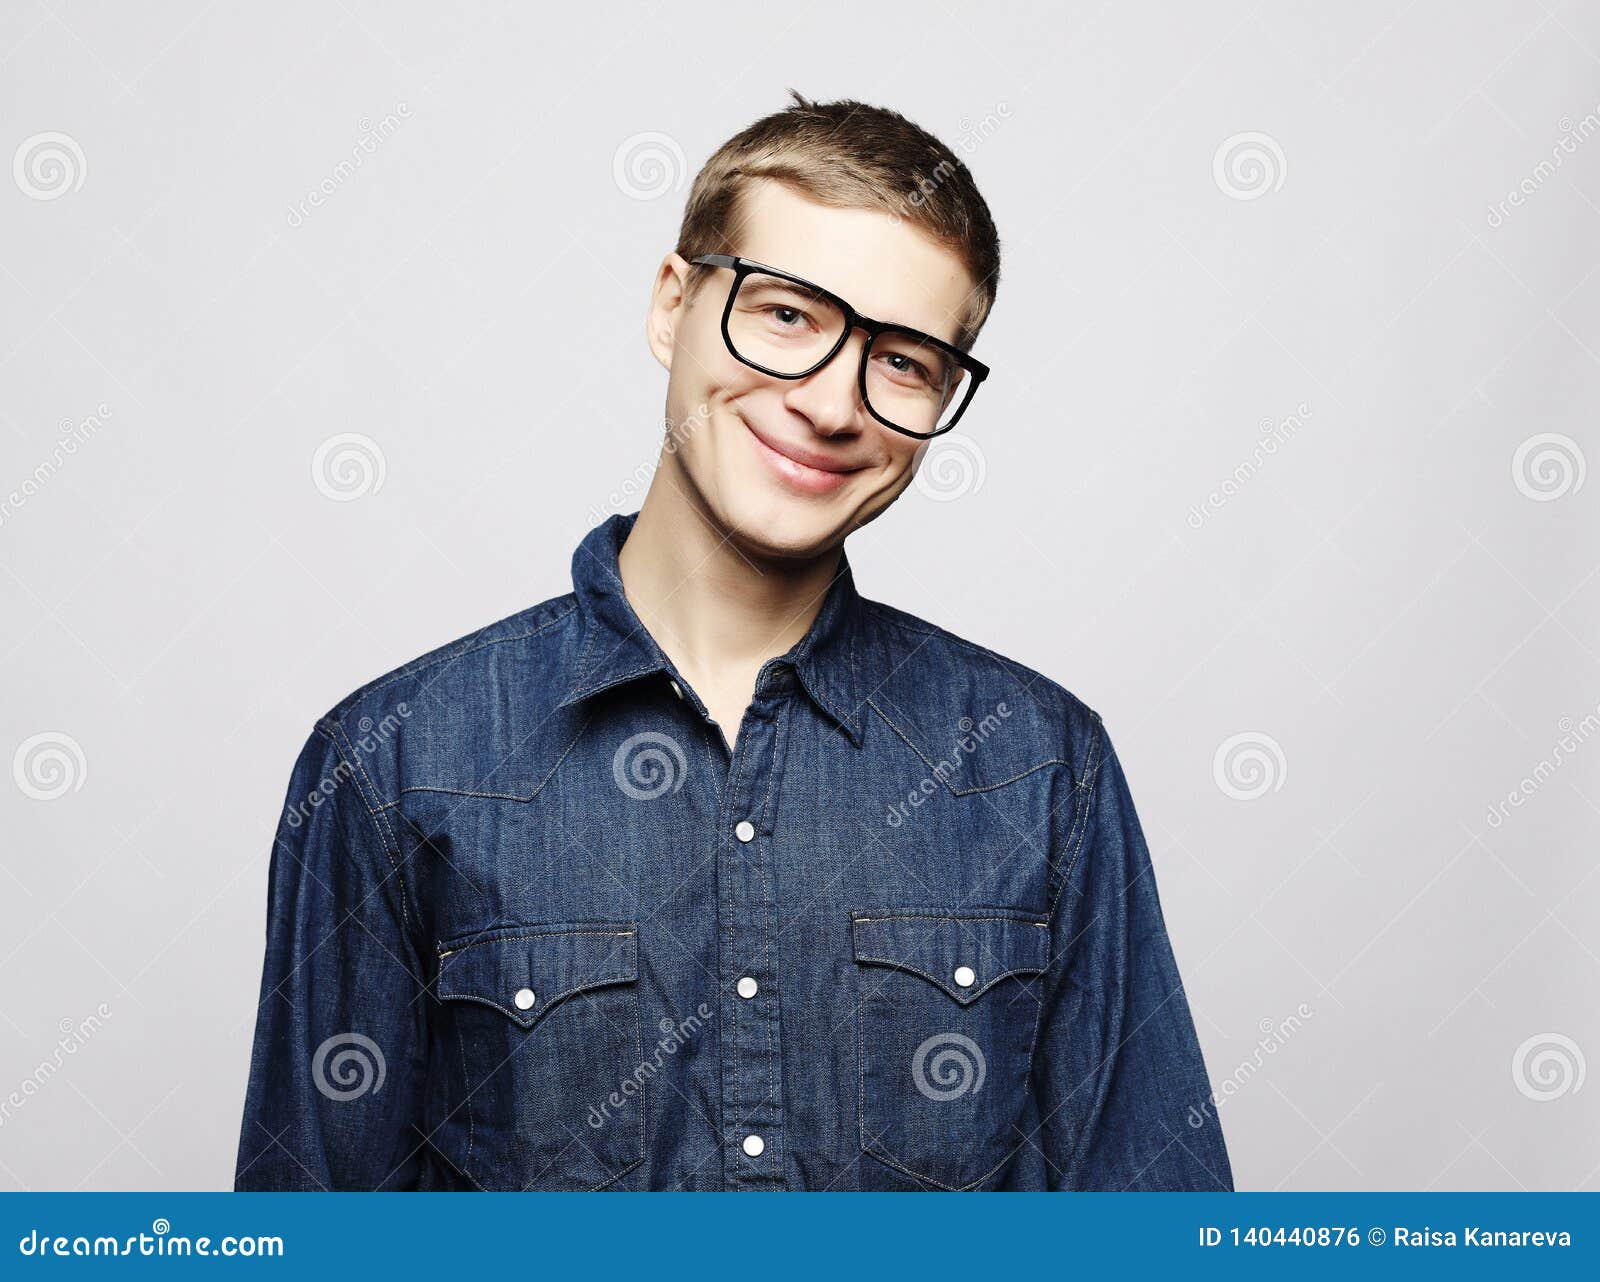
x=617 y=647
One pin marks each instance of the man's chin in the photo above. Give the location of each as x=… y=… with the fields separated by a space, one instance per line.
x=782 y=527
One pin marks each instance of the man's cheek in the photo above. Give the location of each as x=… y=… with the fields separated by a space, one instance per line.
x=747 y=400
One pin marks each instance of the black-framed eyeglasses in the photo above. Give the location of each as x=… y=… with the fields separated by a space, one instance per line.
x=781 y=325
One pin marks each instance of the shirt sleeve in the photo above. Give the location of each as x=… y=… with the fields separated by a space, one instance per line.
x=333 y=1100
x=1124 y=1096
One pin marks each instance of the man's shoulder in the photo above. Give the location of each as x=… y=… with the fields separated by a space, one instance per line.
x=935 y=687
x=470 y=667
x=464 y=717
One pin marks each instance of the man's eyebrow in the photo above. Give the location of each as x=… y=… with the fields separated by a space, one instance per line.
x=798 y=282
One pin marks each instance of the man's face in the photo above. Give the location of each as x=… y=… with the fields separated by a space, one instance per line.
x=790 y=467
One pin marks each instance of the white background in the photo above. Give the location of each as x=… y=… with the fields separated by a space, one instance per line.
x=1398 y=608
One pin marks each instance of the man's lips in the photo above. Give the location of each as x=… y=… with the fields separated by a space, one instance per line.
x=803 y=469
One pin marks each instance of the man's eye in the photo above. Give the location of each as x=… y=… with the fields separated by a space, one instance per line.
x=905 y=367
x=788 y=317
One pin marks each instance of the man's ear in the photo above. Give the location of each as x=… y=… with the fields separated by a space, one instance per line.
x=668 y=298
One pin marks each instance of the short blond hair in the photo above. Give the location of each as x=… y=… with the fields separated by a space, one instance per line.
x=853 y=156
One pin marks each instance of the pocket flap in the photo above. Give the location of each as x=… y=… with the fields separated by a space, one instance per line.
x=943 y=947
x=523 y=971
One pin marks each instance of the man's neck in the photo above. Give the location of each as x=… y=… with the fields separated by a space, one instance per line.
x=707 y=603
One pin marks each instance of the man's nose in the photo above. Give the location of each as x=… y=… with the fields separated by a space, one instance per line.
x=831 y=397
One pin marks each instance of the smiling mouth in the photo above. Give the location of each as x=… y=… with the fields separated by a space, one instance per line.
x=804 y=477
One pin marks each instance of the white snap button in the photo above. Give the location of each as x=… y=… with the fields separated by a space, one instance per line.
x=676 y=688
x=748 y=987
x=754 y=1145
x=966 y=977
x=524 y=999
x=745 y=831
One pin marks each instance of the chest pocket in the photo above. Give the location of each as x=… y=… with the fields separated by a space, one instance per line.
x=947 y=1015
x=543 y=1033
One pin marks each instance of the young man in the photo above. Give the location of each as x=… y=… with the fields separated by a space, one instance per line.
x=712 y=874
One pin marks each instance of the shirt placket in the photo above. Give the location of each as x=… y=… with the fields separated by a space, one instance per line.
x=752 y=1090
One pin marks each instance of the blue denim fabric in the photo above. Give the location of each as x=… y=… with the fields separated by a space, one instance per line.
x=521 y=888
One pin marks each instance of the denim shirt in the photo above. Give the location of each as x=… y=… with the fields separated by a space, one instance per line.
x=532 y=925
